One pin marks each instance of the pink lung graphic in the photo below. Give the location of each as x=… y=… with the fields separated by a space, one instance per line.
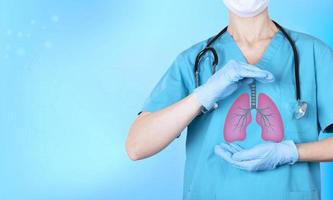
x=269 y=119
x=238 y=118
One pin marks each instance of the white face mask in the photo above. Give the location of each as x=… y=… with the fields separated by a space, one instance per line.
x=246 y=8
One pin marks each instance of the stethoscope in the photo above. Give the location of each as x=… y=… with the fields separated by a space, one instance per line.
x=301 y=106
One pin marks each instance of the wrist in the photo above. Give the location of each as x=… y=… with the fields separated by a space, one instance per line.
x=206 y=97
x=196 y=105
x=300 y=151
x=293 y=151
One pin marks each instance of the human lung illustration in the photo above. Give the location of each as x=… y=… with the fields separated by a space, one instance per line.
x=269 y=119
x=239 y=117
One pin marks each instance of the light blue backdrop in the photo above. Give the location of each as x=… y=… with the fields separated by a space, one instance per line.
x=74 y=74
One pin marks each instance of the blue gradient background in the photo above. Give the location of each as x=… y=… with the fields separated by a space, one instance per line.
x=74 y=74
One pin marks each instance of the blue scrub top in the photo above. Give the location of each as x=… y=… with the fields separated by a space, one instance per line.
x=207 y=176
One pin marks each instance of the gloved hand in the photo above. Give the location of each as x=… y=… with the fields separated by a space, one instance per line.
x=226 y=80
x=265 y=156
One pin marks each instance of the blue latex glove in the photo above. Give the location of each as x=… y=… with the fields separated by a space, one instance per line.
x=265 y=156
x=226 y=80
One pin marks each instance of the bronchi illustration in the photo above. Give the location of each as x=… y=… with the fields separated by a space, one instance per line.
x=239 y=117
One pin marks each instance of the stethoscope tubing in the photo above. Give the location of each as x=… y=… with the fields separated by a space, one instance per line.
x=212 y=50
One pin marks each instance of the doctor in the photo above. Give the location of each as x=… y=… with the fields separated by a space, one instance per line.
x=253 y=51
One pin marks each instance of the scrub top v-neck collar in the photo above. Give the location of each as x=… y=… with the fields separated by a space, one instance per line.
x=266 y=58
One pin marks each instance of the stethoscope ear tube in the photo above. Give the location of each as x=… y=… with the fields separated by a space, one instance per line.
x=302 y=106
x=296 y=60
x=198 y=59
x=201 y=54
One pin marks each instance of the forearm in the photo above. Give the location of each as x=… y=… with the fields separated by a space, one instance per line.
x=152 y=132
x=319 y=151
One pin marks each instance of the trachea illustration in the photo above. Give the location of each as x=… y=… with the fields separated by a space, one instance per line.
x=239 y=117
x=253 y=87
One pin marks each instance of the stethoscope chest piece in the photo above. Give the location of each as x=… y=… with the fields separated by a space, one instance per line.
x=301 y=109
x=215 y=106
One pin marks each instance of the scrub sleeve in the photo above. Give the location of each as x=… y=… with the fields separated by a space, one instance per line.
x=324 y=73
x=170 y=89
